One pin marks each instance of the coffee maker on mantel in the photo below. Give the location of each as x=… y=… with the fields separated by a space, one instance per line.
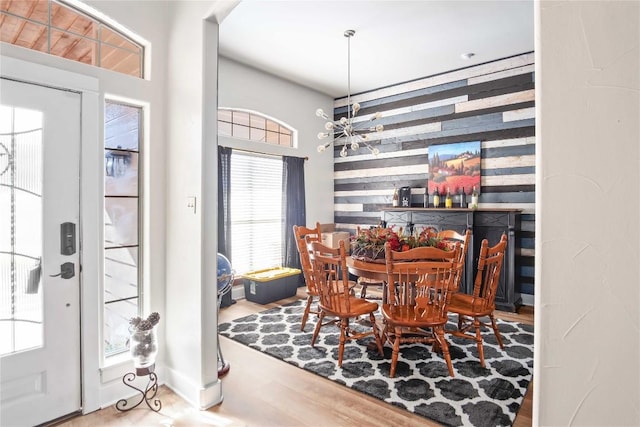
x=405 y=197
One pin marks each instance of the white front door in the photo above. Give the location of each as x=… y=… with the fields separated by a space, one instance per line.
x=39 y=308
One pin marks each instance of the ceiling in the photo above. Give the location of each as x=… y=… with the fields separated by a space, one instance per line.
x=395 y=41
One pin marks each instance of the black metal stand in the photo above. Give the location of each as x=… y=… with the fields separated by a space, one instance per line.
x=223 y=365
x=148 y=394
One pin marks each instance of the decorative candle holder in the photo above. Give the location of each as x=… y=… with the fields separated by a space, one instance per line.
x=143 y=347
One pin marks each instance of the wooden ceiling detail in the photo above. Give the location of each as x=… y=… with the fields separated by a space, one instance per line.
x=73 y=35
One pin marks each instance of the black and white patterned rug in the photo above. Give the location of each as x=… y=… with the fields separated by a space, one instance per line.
x=476 y=396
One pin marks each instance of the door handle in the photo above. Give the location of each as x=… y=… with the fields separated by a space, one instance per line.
x=67 y=271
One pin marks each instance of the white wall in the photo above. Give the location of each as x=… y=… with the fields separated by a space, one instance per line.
x=240 y=86
x=191 y=330
x=587 y=221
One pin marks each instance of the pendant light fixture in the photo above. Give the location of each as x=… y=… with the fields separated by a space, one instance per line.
x=346 y=131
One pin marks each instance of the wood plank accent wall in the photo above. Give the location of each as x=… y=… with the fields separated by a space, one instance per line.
x=493 y=103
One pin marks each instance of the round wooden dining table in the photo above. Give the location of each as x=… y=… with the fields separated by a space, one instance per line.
x=370 y=270
x=376 y=271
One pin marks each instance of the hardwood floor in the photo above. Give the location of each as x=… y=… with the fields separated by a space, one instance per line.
x=260 y=390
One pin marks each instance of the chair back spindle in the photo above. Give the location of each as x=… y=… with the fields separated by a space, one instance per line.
x=332 y=277
x=464 y=239
x=472 y=309
x=302 y=234
x=335 y=296
x=421 y=283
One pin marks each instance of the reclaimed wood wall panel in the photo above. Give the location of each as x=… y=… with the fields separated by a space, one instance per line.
x=493 y=103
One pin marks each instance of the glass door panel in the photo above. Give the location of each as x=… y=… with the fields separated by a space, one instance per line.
x=21 y=318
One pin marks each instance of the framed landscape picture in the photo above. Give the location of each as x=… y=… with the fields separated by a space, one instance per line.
x=454 y=166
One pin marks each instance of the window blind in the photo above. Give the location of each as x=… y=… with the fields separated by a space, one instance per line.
x=256 y=212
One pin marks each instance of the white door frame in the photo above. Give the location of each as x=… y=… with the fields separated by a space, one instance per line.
x=90 y=224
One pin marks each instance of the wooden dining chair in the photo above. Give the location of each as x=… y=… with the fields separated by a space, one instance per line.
x=313 y=234
x=335 y=299
x=423 y=277
x=464 y=239
x=365 y=282
x=471 y=309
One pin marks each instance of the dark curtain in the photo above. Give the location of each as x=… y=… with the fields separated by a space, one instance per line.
x=224 y=205
x=224 y=201
x=293 y=207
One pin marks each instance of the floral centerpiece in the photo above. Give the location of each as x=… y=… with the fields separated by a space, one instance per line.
x=369 y=244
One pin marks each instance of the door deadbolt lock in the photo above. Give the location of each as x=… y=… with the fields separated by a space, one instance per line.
x=67 y=271
x=67 y=238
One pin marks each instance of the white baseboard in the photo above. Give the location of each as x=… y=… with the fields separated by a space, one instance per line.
x=527 y=299
x=198 y=396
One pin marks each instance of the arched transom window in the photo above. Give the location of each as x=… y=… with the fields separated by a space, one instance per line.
x=53 y=27
x=254 y=127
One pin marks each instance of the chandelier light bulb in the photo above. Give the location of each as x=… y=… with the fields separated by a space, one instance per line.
x=343 y=152
x=321 y=113
x=379 y=128
x=374 y=151
x=329 y=126
x=343 y=120
x=356 y=108
x=376 y=116
x=321 y=148
x=355 y=146
x=322 y=135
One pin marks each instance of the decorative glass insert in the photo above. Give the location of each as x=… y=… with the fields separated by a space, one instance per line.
x=21 y=305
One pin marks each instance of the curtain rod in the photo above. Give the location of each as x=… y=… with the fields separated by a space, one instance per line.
x=260 y=152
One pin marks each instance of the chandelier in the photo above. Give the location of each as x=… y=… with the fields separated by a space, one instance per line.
x=347 y=132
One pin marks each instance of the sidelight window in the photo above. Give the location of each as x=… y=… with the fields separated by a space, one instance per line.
x=122 y=225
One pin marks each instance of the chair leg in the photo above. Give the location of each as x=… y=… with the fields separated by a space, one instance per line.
x=344 y=325
x=363 y=291
x=397 y=332
x=307 y=309
x=478 y=326
x=439 y=334
x=460 y=321
x=385 y=334
x=376 y=333
x=435 y=345
x=317 y=328
x=496 y=331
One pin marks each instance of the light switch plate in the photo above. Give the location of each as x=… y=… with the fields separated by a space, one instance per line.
x=191 y=203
